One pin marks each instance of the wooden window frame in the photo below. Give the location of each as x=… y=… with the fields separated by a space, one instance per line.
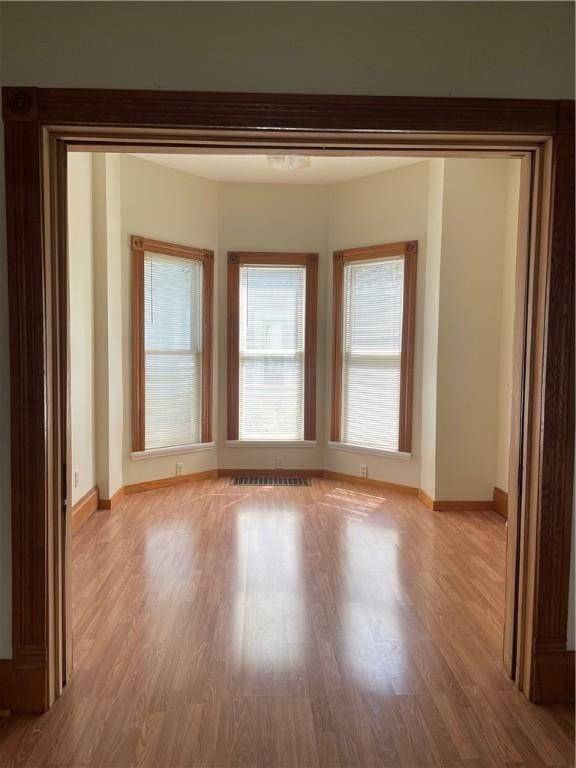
x=267 y=258
x=409 y=251
x=41 y=125
x=141 y=245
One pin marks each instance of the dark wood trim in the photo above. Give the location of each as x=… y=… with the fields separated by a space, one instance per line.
x=459 y=505
x=84 y=508
x=259 y=122
x=55 y=169
x=28 y=680
x=263 y=258
x=427 y=500
x=407 y=356
x=113 y=501
x=150 y=485
x=148 y=245
x=463 y=505
x=553 y=675
x=207 y=345
x=310 y=346
x=140 y=246
x=135 y=108
x=337 y=341
x=30 y=390
x=381 y=251
x=5 y=686
x=267 y=258
x=529 y=402
x=138 y=354
x=409 y=250
x=556 y=438
x=233 y=358
x=526 y=260
x=500 y=501
x=409 y=490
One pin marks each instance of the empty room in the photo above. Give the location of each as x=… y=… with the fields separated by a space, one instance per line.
x=290 y=402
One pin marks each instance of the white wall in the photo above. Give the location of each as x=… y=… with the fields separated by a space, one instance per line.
x=81 y=324
x=474 y=232
x=118 y=383
x=385 y=208
x=430 y=315
x=162 y=204
x=508 y=284
x=108 y=348
x=272 y=217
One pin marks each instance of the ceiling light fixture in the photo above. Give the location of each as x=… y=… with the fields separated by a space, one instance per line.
x=288 y=162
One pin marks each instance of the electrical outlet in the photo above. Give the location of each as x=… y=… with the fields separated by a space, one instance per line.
x=363 y=470
x=178 y=468
x=76 y=479
x=278 y=462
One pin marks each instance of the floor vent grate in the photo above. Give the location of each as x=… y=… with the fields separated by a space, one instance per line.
x=251 y=480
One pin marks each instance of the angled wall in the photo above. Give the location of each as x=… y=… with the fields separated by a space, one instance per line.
x=108 y=348
x=272 y=217
x=430 y=316
x=475 y=242
x=163 y=204
x=82 y=473
x=384 y=208
x=507 y=327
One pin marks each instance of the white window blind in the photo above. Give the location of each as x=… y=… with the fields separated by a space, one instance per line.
x=373 y=299
x=173 y=347
x=271 y=352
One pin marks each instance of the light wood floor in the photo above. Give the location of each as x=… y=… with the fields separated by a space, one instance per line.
x=325 y=626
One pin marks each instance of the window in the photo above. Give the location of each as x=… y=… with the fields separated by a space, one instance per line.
x=172 y=345
x=373 y=340
x=272 y=346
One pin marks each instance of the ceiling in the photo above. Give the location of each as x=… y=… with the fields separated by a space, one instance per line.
x=256 y=168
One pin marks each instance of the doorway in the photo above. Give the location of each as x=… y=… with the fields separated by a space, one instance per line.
x=542 y=405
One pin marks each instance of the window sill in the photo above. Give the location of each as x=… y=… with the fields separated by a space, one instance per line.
x=376 y=451
x=271 y=443
x=172 y=449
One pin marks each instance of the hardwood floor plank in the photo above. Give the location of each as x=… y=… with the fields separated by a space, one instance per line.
x=325 y=626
